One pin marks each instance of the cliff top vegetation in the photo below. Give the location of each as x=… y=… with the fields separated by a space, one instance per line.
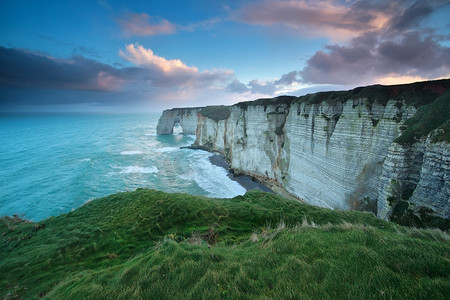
x=150 y=244
x=216 y=113
x=429 y=117
x=416 y=94
x=267 y=101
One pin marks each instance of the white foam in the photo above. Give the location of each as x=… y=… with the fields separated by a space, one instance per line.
x=85 y=159
x=132 y=152
x=177 y=129
x=137 y=170
x=165 y=149
x=213 y=179
x=186 y=176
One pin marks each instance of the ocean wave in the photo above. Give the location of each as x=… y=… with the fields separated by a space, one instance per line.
x=186 y=176
x=85 y=159
x=165 y=149
x=137 y=170
x=213 y=179
x=132 y=152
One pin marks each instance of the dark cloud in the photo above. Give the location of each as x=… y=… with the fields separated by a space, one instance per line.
x=22 y=68
x=400 y=48
x=304 y=15
x=27 y=77
x=267 y=88
x=413 y=52
x=383 y=38
x=236 y=87
x=366 y=58
x=287 y=79
x=412 y=16
x=257 y=87
x=332 y=16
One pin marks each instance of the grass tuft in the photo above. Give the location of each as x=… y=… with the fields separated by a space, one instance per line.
x=149 y=244
x=426 y=119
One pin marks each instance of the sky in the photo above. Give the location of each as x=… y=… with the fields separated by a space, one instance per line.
x=143 y=56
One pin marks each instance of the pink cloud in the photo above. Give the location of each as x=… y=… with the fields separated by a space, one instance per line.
x=138 y=55
x=164 y=72
x=108 y=82
x=393 y=78
x=321 y=17
x=385 y=41
x=141 y=24
x=379 y=58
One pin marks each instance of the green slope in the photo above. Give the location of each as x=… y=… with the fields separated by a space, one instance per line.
x=150 y=244
x=426 y=119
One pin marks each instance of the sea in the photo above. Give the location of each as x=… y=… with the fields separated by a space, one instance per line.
x=51 y=164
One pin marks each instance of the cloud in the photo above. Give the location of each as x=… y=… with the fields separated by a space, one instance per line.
x=323 y=17
x=21 y=68
x=237 y=87
x=138 y=55
x=169 y=73
x=379 y=40
x=134 y=24
x=412 y=16
x=287 y=79
x=338 y=20
x=142 y=24
x=267 y=88
x=286 y=83
x=372 y=56
x=29 y=77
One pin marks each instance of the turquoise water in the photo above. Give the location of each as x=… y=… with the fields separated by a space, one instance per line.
x=52 y=164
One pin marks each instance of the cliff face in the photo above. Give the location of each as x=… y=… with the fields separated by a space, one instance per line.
x=336 y=152
x=415 y=177
x=185 y=117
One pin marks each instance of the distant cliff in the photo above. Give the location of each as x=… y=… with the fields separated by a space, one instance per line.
x=379 y=148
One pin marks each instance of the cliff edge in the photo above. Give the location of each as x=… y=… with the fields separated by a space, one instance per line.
x=379 y=148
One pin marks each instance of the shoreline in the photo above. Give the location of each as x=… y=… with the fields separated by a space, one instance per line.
x=245 y=181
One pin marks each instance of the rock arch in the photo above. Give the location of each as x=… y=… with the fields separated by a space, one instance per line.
x=185 y=117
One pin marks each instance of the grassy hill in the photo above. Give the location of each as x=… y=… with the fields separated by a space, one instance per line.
x=150 y=244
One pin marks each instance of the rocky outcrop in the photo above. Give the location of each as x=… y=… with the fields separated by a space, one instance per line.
x=334 y=150
x=185 y=117
x=416 y=177
x=433 y=189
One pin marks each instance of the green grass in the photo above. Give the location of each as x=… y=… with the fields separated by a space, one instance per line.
x=286 y=100
x=426 y=119
x=150 y=244
x=216 y=113
x=415 y=94
x=443 y=133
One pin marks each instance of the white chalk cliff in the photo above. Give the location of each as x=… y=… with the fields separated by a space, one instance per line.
x=336 y=152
